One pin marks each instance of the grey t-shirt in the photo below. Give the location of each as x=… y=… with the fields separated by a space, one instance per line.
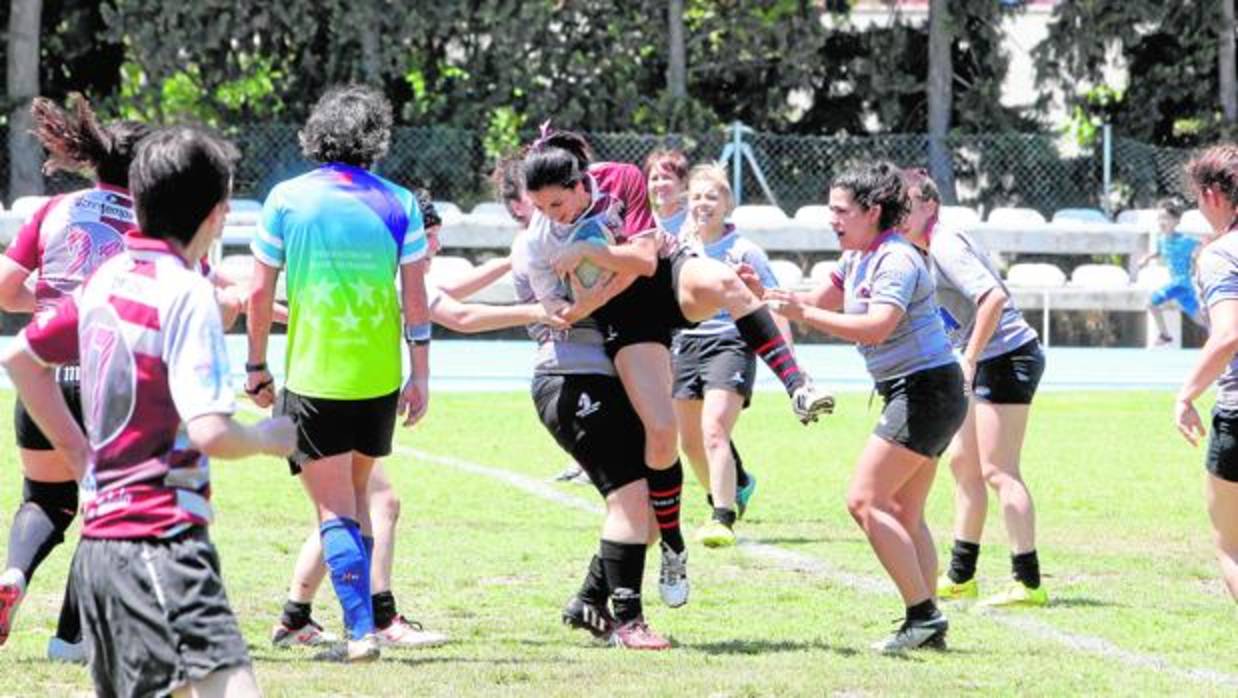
x=576 y=351
x=894 y=272
x=732 y=249
x=1216 y=274
x=964 y=274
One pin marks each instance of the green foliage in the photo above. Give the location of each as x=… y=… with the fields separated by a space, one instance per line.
x=1097 y=107
x=591 y=64
x=502 y=133
x=1170 y=51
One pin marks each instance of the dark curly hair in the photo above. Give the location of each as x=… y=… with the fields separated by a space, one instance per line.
x=76 y=142
x=1216 y=168
x=556 y=159
x=350 y=124
x=877 y=184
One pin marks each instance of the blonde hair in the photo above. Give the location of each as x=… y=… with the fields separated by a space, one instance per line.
x=712 y=174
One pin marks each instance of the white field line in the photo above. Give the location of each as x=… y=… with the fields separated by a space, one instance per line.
x=794 y=561
x=790 y=560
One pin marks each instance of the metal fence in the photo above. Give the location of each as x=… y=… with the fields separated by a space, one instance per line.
x=991 y=170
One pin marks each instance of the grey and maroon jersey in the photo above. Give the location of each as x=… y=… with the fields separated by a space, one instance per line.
x=146 y=329
x=69 y=237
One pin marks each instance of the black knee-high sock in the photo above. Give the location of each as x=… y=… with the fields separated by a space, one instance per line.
x=46 y=512
x=594 y=590
x=624 y=567
x=1026 y=569
x=759 y=332
x=384 y=609
x=741 y=475
x=963 y=561
x=665 y=490
x=69 y=626
x=296 y=615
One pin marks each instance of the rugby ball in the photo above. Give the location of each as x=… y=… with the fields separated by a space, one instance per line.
x=591 y=231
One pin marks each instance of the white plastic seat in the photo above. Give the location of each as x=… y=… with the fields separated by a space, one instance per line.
x=1016 y=216
x=1080 y=215
x=758 y=216
x=490 y=211
x=1036 y=274
x=815 y=215
x=1145 y=218
x=239 y=269
x=238 y=234
x=1193 y=221
x=788 y=273
x=961 y=216
x=449 y=212
x=503 y=291
x=244 y=206
x=1100 y=276
x=446 y=268
x=1153 y=276
x=25 y=206
x=822 y=271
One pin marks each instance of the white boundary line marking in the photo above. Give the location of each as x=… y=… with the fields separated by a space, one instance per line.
x=790 y=560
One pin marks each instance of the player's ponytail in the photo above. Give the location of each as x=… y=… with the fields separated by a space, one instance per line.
x=76 y=142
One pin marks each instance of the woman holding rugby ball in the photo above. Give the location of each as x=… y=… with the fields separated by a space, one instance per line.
x=654 y=287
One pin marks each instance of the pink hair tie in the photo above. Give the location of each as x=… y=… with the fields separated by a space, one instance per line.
x=545 y=132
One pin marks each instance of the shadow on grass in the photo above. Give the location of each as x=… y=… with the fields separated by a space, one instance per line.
x=766 y=647
x=413 y=659
x=1083 y=602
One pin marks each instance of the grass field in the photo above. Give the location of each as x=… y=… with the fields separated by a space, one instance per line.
x=488 y=553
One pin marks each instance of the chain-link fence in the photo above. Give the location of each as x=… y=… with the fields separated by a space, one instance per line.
x=990 y=170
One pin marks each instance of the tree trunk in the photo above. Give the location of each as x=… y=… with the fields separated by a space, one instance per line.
x=1225 y=60
x=25 y=155
x=940 y=98
x=677 y=65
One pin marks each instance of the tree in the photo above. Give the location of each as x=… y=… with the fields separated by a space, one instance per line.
x=1228 y=81
x=940 y=97
x=1174 y=67
x=25 y=155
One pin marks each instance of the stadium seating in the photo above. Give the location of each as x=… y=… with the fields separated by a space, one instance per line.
x=1035 y=274
x=449 y=212
x=749 y=216
x=788 y=273
x=490 y=212
x=1145 y=218
x=1015 y=216
x=1100 y=276
x=814 y=216
x=244 y=206
x=446 y=268
x=821 y=271
x=501 y=291
x=1153 y=276
x=1080 y=215
x=1193 y=221
x=957 y=215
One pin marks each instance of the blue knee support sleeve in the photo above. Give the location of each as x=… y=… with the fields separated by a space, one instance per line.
x=350 y=574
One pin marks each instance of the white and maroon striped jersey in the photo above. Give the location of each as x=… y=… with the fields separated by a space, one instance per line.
x=69 y=237
x=147 y=331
